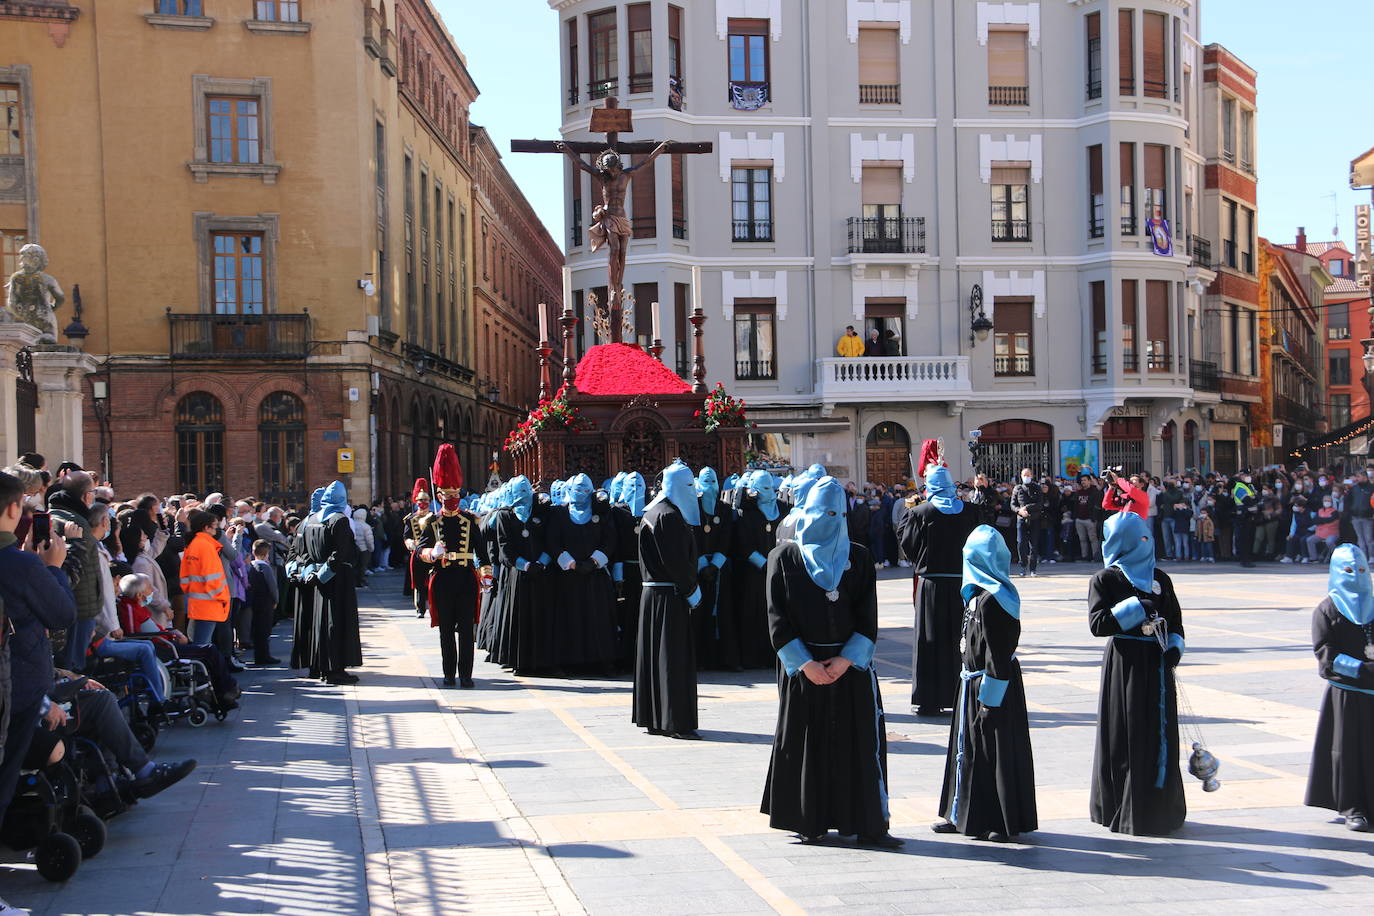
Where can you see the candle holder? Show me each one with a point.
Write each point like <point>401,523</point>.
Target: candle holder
<point>698,318</point>
<point>656,349</point>
<point>545,350</point>
<point>568,321</point>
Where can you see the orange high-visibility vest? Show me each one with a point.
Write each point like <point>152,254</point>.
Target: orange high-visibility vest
<point>202,580</point>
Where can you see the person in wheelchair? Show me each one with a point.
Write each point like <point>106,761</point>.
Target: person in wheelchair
<point>136,620</point>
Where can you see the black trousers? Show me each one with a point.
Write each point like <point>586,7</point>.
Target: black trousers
<point>264,618</point>
<point>454,597</point>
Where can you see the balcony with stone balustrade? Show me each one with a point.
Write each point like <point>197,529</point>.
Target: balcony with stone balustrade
<point>865,379</point>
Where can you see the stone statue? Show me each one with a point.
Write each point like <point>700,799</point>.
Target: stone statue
<point>33,294</point>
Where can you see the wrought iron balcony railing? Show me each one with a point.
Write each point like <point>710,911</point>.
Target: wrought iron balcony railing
<point>887,235</point>
<point>599,89</point>
<point>1200,251</point>
<point>1202,375</point>
<point>208,336</point>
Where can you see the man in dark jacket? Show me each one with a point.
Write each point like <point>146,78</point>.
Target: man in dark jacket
<point>36,600</point>
<point>1028,502</point>
<point>69,504</point>
<point>1361,512</point>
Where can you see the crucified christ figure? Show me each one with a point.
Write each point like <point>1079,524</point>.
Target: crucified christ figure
<point>609,224</point>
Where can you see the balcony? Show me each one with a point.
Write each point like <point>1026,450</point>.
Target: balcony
<point>1200,252</point>
<point>747,96</point>
<point>1011,366</point>
<point>202,336</point>
<point>641,82</point>
<point>887,235</point>
<point>1291,413</point>
<point>865,379</point>
<point>599,89</point>
<point>1202,376</point>
<point>754,370</point>
<point>880,94</point>
<point>1159,361</point>
<point>573,97</point>
<point>1011,230</point>
<point>679,228</point>
<point>1008,95</point>
<point>752,230</point>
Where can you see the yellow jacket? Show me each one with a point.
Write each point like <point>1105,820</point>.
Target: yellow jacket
<point>850,345</point>
<point>202,580</point>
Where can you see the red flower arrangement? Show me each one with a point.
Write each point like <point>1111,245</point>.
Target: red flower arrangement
<point>720,409</point>
<point>619,368</point>
<point>553,414</point>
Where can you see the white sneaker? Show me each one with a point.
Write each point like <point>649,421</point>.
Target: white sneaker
<point>1289,560</point>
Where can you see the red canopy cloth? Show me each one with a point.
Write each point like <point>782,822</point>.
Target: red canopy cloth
<point>618,368</point>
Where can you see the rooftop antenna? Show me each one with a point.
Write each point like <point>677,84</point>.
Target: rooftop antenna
<point>1335,216</point>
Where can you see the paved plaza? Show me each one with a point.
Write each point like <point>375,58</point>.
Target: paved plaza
<point>539,796</point>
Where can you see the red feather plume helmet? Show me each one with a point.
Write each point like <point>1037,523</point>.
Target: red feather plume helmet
<point>448,478</point>
<point>932,453</point>
<point>420,492</point>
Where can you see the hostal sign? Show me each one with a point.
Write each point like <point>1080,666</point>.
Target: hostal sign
<point>1362,254</point>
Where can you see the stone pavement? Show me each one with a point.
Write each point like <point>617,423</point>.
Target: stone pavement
<point>538,796</point>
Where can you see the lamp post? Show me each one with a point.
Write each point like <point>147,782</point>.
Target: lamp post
<point>1368,360</point>
<point>979,324</point>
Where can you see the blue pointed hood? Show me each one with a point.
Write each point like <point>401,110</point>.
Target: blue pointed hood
<point>680,489</point>
<point>987,565</point>
<point>556,492</point>
<point>632,493</point>
<point>578,494</point>
<point>940,491</point>
<point>520,497</point>
<point>1349,585</point>
<point>613,491</point>
<point>801,487</point>
<point>1128,545</point>
<point>334,502</point>
<point>763,487</point>
<point>708,489</point>
<point>316,499</point>
<point>730,483</point>
<point>823,533</point>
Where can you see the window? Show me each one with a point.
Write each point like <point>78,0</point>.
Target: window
<point>887,317</point>
<point>1157,339</point>
<point>573,78</point>
<point>641,48</point>
<point>1249,344</point>
<point>1011,202</point>
<point>1247,140</point>
<point>1338,367</point>
<point>441,306</point>
<point>677,86</point>
<point>234,133</point>
<point>679,193</point>
<point>179,7</point>
<point>11,240</point>
<point>1097,220</point>
<point>1097,291</point>
<point>748,50</point>
<point>681,336</point>
<point>11,121</point>
<point>754,340</point>
<point>1229,230</point>
<point>1336,266</point>
<point>1156,182</point>
<point>238,273</point>
<point>1128,213</point>
<point>882,209</point>
<point>1340,410</point>
<point>879,74</point>
<point>1338,321</point>
<point>383,267</point>
<point>281,447</point>
<point>646,294</point>
<point>603,60</point>
<point>200,443</point>
<point>1247,240</point>
<point>1125,50</point>
<point>643,202</point>
<point>1093,24</point>
<point>1155,27</point>
<point>1228,130</point>
<point>426,338</point>
<point>751,201</point>
<point>1011,335</point>
<point>1130,361</point>
<point>279,10</point>
<point>463,352</point>
<point>408,177</point>
<point>575,182</point>
<point>1008,83</point>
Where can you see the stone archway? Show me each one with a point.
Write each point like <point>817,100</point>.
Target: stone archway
<point>887,454</point>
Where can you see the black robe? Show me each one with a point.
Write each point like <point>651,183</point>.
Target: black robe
<point>1342,774</point>
<point>489,624</point>
<point>524,615</point>
<point>625,563</point>
<point>665,691</point>
<point>752,533</point>
<point>583,605</point>
<point>934,543</point>
<point>718,644</point>
<point>336,638</point>
<point>996,777</point>
<point>1126,796</point>
<point>302,599</point>
<point>829,765</point>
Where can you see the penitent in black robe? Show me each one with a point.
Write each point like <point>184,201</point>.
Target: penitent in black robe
<point>302,599</point>
<point>625,570</point>
<point>491,603</point>
<point>665,691</point>
<point>582,605</point>
<point>992,788</point>
<point>524,615</point>
<point>1137,786</point>
<point>753,533</point>
<point>717,630</point>
<point>829,765</point>
<point>336,639</point>
<point>934,543</point>
<point>1342,774</point>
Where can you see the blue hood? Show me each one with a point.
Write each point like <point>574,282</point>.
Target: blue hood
<point>987,565</point>
<point>940,491</point>
<point>334,501</point>
<point>763,487</point>
<point>801,487</point>
<point>680,489</point>
<point>1349,585</point>
<point>557,491</point>
<point>730,483</point>
<point>613,491</point>
<point>823,533</point>
<point>578,493</point>
<point>632,493</point>
<point>1128,545</point>
<point>708,488</point>
<point>520,497</point>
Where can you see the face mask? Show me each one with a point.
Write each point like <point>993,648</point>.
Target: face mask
<point>1187,486</point>
<point>1326,503</point>
<point>1026,478</point>
<point>1321,481</point>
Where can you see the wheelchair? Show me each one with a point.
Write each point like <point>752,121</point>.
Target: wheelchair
<point>50,815</point>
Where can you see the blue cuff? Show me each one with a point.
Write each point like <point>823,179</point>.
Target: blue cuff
<point>718,560</point>
<point>618,572</point>
<point>859,650</point>
<point>566,561</point>
<point>44,707</point>
<point>758,559</point>
<point>1176,642</point>
<point>522,564</point>
<point>701,562</point>
<point>794,655</point>
<point>1129,613</point>
<point>694,598</point>
<point>1346,666</point>
<point>325,573</point>
<point>601,559</point>
<point>992,691</point>
<point>545,558</point>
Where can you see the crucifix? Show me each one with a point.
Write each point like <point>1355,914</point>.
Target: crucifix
<point>610,226</point>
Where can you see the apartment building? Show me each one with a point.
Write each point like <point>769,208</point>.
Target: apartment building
<point>1005,195</point>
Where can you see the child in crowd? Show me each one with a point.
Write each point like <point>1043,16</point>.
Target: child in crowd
<point>1206,536</point>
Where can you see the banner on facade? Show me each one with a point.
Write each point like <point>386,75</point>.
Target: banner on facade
<point>1160,239</point>
<point>1078,456</point>
<point>1362,253</point>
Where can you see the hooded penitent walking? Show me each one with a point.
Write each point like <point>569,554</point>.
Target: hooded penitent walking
<point>1137,786</point>
<point>989,787</point>
<point>717,635</point>
<point>449,543</point>
<point>582,541</point>
<point>755,534</point>
<point>665,691</point>
<point>627,508</point>
<point>333,551</point>
<point>1342,774</point>
<point>525,596</point>
<point>829,765</point>
<point>300,571</point>
<point>932,537</point>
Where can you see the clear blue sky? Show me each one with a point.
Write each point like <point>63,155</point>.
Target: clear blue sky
<point>1315,82</point>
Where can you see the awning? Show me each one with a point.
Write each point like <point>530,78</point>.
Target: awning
<point>801,424</point>
<point>1340,436</point>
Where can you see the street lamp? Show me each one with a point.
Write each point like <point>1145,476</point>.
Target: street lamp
<point>1368,359</point>
<point>979,324</point>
